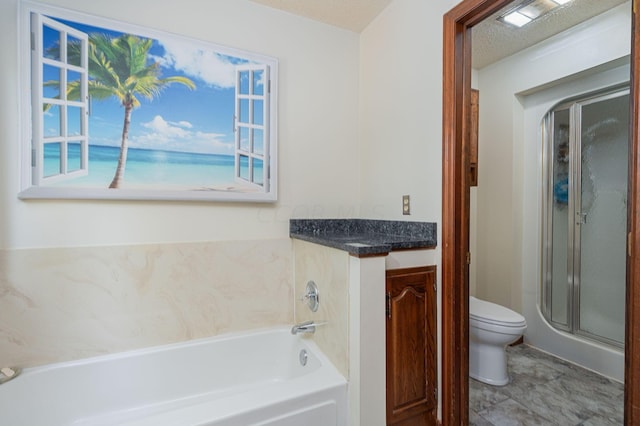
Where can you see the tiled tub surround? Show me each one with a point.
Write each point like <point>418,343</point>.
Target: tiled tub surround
<point>329,269</point>
<point>363,237</point>
<point>61,304</point>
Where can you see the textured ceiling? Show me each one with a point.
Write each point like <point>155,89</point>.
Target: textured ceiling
<point>494,40</point>
<point>352,15</point>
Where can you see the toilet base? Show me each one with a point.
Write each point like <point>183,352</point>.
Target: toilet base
<point>488,364</point>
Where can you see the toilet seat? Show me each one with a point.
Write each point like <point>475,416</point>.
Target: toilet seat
<point>489,313</point>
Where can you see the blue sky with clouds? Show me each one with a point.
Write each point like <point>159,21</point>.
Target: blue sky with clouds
<point>180,119</point>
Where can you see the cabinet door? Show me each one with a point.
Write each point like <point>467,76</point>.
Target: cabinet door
<point>473,138</point>
<point>411,346</point>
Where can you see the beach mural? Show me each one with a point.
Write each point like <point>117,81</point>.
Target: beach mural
<point>122,111</point>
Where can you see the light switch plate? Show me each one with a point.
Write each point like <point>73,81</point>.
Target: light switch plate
<point>406,205</point>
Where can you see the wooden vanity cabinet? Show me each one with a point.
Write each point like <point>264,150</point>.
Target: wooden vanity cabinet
<point>411,346</point>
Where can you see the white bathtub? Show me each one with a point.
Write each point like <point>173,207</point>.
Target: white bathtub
<point>242,379</point>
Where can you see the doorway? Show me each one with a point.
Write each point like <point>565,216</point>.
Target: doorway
<point>455,222</point>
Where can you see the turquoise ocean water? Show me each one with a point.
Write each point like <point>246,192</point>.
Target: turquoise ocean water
<point>144,167</point>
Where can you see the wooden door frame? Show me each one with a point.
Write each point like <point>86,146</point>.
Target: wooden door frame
<point>455,215</point>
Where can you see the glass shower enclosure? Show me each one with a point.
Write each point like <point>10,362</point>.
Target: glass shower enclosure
<point>584,240</point>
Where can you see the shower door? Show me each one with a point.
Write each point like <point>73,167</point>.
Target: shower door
<point>585,215</point>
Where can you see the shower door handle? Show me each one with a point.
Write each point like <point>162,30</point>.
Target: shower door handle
<point>581,218</point>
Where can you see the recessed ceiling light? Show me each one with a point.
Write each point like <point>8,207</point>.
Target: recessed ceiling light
<point>517,19</point>
<point>530,10</point>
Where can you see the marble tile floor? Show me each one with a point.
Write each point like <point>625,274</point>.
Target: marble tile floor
<point>545,390</point>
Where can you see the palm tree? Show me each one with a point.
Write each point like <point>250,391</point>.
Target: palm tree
<point>118,67</point>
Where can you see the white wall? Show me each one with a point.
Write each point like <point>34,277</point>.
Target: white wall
<point>502,267</point>
<point>400,95</point>
<point>401,110</point>
<point>318,132</point>
<point>80,278</point>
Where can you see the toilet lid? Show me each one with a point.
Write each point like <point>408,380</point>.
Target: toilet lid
<point>481,310</point>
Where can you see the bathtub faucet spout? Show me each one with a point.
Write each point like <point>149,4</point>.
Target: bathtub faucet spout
<point>304,327</point>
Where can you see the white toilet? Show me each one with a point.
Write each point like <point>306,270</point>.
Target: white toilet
<point>491,328</point>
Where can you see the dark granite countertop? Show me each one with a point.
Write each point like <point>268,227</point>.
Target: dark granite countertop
<point>365,237</point>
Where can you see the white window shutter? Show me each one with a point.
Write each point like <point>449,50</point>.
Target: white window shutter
<point>67,141</point>
<point>251,125</point>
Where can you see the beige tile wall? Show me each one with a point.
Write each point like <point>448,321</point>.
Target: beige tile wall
<point>329,269</point>
<point>70,303</point>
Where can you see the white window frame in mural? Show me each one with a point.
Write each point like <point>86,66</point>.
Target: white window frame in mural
<point>218,145</point>
<point>251,123</point>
